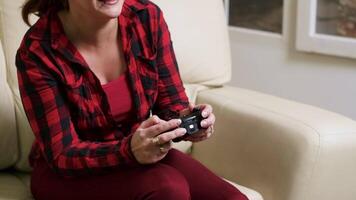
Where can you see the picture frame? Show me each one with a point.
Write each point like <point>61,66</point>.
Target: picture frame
<point>255,16</point>
<point>310,40</point>
<point>227,7</point>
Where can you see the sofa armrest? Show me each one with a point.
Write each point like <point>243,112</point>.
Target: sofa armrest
<point>283,149</point>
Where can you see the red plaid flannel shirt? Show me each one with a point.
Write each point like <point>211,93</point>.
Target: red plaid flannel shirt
<point>66,106</point>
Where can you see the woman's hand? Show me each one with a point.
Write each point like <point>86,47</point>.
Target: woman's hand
<point>153,139</point>
<point>207,124</point>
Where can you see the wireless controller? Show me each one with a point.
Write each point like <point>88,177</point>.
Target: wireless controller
<point>191,123</point>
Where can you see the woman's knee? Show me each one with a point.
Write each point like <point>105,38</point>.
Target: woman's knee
<point>168,183</point>
<point>174,190</point>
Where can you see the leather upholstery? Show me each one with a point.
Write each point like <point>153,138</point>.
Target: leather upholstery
<point>283,149</point>
<point>13,188</point>
<point>203,52</point>
<point>8,133</point>
<point>12,30</point>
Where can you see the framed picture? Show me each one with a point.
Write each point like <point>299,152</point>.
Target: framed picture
<point>260,15</point>
<point>327,27</point>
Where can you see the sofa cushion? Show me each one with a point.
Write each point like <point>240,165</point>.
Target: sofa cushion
<point>8,133</point>
<point>12,30</point>
<point>200,39</point>
<point>284,149</point>
<point>13,188</point>
<point>250,193</point>
<point>192,90</point>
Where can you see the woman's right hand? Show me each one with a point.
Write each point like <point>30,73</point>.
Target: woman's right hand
<point>153,139</point>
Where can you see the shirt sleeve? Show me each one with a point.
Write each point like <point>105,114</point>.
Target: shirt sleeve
<point>171,93</point>
<point>50,120</point>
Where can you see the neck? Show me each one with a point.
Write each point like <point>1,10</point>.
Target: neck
<point>89,31</point>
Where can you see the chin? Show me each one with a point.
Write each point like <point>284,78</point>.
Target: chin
<point>110,8</point>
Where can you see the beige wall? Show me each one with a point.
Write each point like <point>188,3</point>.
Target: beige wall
<point>269,63</point>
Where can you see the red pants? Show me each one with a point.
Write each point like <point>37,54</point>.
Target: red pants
<point>176,177</point>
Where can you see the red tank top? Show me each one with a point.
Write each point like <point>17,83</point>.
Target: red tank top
<point>119,97</point>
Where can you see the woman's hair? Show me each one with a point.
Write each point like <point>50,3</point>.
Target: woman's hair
<point>39,7</point>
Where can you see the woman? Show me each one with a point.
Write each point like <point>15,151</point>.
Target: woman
<point>91,73</point>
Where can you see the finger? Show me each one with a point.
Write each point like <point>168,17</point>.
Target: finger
<point>206,135</point>
<point>168,136</point>
<point>150,122</point>
<point>164,126</point>
<point>209,135</point>
<point>164,148</point>
<point>206,123</point>
<point>167,145</point>
<point>206,110</point>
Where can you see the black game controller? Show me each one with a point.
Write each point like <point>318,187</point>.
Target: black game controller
<point>191,123</point>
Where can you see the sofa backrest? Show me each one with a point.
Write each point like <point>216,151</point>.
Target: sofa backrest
<point>199,35</point>
<point>8,133</point>
<point>200,39</point>
<point>12,30</point>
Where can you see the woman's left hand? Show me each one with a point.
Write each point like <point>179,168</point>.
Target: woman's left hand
<point>207,123</point>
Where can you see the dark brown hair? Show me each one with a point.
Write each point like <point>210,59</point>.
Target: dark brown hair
<point>39,7</point>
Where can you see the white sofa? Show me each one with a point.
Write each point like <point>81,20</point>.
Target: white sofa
<point>282,149</point>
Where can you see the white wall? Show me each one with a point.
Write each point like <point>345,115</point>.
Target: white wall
<point>269,63</point>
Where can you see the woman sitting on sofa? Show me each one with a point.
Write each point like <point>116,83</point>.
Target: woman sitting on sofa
<point>91,74</point>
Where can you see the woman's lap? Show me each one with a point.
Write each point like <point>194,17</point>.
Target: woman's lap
<point>203,183</point>
<point>177,176</point>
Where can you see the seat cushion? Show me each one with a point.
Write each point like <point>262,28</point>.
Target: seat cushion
<point>251,194</point>
<point>13,188</point>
